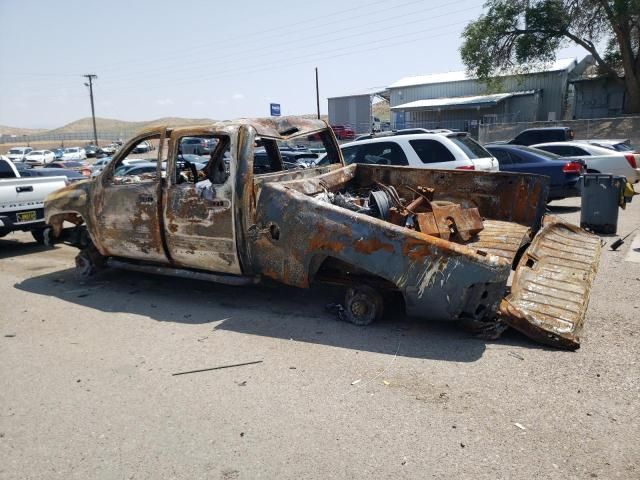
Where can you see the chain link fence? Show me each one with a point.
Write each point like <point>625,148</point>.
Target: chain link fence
<point>627,127</point>
<point>65,138</point>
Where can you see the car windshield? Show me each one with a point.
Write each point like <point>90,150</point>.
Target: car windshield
<point>15,150</point>
<point>71,150</point>
<point>469,146</point>
<point>541,153</point>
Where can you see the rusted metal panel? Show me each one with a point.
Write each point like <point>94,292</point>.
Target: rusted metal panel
<point>199,218</point>
<point>501,196</point>
<point>501,238</point>
<point>438,278</point>
<point>550,291</point>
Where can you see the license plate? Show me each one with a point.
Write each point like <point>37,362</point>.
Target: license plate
<point>27,216</point>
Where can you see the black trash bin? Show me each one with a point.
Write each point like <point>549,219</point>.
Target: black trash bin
<point>600,198</point>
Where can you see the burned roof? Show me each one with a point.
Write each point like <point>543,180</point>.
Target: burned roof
<point>279,128</point>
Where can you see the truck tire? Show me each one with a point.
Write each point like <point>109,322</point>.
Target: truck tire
<point>88,262</point>
<point>38,235</point>
<point>362,305</point>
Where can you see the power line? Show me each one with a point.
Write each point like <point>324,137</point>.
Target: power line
<point>125,76</point>
<point>271,66</point>
<point>365,11</point>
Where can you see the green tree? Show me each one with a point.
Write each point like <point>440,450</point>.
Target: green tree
<point>519,34</point>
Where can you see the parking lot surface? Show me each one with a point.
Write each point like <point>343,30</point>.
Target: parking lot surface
<point>87,387</point>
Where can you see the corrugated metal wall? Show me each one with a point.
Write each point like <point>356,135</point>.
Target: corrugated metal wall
<point>598,99</point>
<point>354,111</point>
<point>552,85</point>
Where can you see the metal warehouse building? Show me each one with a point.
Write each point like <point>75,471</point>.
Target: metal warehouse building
<point>355,110</point>
<point>454,100</point>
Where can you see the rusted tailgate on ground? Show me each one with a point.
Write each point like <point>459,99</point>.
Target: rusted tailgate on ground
<point>551,286</point>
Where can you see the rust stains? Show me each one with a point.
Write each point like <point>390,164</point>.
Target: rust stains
<point>368,246</point>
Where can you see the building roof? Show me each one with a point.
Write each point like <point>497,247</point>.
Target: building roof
<point>475,101</point>
<point>459,76</point>
<point>374,91</point>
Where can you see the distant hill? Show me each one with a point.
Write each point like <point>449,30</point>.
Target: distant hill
<point>4,130</point>
<point>112,126</point>
<point>109,125</point>
<point>382,111</point>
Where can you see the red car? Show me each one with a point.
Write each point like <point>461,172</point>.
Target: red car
<point>343,132</point>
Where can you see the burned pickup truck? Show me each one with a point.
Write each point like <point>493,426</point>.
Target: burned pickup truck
<point>456,245</point>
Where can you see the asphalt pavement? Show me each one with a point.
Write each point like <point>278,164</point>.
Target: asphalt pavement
<point>87,384</point>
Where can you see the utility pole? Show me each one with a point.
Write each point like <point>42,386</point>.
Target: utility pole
<point>317,94</point>
<point>91,77</point>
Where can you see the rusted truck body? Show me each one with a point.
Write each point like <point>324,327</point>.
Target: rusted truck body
<point>457,245</point>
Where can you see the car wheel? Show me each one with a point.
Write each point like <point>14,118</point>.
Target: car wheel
<point>38,235</point>
<point>362,305</point>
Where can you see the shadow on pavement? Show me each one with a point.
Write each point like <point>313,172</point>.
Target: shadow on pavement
<point>15,248</point>
<point>274,311</point>
<point>562,208</point>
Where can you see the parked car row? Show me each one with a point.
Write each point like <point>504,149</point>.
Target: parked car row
<point>613,156</point>
<point>563,161</point>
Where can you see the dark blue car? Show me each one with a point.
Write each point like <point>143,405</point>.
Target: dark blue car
<point>564,174</point>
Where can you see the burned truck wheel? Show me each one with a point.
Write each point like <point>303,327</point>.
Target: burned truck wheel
<point>88,262</point>
<point>362,305</point>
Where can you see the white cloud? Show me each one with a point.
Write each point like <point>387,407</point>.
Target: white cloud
<point>237,96</point>
<point>164,101</point>
<point>198,103</point>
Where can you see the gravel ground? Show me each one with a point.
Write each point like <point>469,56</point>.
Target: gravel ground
<point>86,385</point>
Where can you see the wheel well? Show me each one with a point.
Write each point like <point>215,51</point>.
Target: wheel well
<point>56,221</point>
<point>335,271</point>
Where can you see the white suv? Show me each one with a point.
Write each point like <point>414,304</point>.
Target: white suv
<point>18,154</point>
<point>447,150</point>
<point>74,153</point>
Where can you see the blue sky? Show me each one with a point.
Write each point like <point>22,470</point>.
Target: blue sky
<point>215,59</point>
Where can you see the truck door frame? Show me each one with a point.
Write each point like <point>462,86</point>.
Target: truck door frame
<point>127,221</point>
<point>200,232</point>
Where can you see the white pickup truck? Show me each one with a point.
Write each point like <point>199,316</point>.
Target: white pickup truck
<point>22,200</point>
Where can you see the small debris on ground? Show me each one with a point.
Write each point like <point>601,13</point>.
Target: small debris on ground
<point>516,355</point>
<point>337,310</point>
<point>520,426</point>
<point>355,382</point>
<point>10,335</point>
<point>216,368</point>
<point>386,382</point>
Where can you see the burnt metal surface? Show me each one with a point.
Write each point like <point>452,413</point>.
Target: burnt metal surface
<point>234,280</point>
<point>501,238</point>
<point>199,227</point>
<point>439,279</point>
<point>446,240</point>
<point>550,290</point>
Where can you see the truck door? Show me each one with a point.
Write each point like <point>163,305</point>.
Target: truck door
<point>127,196</point>
<point>198,206</point>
